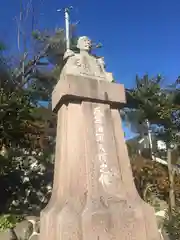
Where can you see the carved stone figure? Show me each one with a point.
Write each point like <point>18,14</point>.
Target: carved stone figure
<point>84,63</point>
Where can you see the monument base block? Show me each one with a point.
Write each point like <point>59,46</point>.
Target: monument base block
<point>94,196</point>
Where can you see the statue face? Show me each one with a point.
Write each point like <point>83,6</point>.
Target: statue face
<point>84,43</point>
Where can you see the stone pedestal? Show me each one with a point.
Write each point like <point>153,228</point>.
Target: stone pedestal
<point>94,196</point>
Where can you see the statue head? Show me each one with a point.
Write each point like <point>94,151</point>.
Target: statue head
<point>84,44</point>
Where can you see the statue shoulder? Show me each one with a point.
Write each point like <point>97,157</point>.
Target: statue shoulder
<point>69,53</point>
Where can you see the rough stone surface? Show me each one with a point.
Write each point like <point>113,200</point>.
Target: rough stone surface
<point>34,237</point>
<point>94,196</point>
<point>22,228</point>
<point>74,88</point>
<point>4,235</point>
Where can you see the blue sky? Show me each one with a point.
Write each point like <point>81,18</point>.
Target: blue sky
<point>138,36</point>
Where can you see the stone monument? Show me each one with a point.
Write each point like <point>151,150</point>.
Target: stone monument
<point>94,196</point>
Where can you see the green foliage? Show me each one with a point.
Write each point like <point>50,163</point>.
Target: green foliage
<point>132,147</point>
<point>150,100</point>
<point>172,224</point>
<point>147,97</point>
<point>24,174</point>
<point>25,182</point>
<point>16,118</point>
<point>9,221</point>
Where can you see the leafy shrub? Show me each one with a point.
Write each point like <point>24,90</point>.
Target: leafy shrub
<point>172,224</point>
<point>9,221</point>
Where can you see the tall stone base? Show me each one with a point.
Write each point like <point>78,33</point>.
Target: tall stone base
<point>94,196</point>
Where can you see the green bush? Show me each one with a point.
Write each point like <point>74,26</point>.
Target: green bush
<point>9,221</point>
<point>172,224</point>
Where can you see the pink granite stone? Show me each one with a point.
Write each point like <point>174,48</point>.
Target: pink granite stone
<point>94,196</point>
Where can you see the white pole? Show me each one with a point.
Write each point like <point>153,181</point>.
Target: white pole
<point>67,24</point>
<point>67,28</point>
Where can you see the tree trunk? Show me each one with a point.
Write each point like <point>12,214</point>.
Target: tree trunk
<point>171,182</point>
